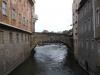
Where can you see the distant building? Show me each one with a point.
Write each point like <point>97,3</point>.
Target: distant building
<point>45,31</point>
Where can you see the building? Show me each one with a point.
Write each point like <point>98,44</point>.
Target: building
<point>86,37</point>
<point>17,22</point>
<point>75,26</point>
<point>96,16</point>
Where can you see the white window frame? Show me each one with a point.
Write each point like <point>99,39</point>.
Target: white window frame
<point>92,44</point>
<point>4,8</point>
<point>13,14</point>
<point>97,16</point>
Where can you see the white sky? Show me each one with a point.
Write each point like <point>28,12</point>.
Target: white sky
<point>53,15</point>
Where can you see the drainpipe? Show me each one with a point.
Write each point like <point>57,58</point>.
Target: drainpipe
<point>93,16</point>
<point>94,19</point>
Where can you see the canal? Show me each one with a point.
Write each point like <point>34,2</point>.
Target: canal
<point>49,60</point>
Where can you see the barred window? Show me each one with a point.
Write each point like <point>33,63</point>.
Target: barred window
<point>4,8</point>
<point>20,17</point>
<point>13,14</point>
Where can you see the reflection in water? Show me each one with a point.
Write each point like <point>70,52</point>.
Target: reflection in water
<point>49,60</point>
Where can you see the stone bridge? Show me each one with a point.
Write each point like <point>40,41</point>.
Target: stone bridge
<point>38,38</point>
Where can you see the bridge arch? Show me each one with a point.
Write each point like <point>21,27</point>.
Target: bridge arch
<point>38,38</point>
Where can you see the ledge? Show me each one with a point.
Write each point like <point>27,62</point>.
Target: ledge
<point>14,27</point>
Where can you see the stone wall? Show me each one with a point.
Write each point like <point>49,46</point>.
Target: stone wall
<point>13,49</point>
<point>37,38</point>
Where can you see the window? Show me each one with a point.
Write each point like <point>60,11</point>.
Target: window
<point>1,37</point>
<point>79,28</point>
<point>27,23</point>
<point>87,44</point>
<point>22,37</point>
<point>79,16</point>
<point>79,43</point>
<point>89,5</point>
<point>13,14</point>
<point>20,17</point>
<point>27,5</point>
<point>4,8</point>
<point>84,9</point>
<point>76,41</point>
<point>89,24</point>
<point>17,36</point>
<point>84,26</point>
<point>11,38</point>
<point>76,18</point>
<point>24,20</point>
<point>92,44</point>
<point>30,25</point>
<point>99,47</point>
<point>28,37</point>
<point>82,13</point>
<point>97,17</point>
<point>25,38</point>
<point>24,2</point>
<point>82,43</point>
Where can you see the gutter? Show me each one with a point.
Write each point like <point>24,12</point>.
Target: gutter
<point>14,27</point>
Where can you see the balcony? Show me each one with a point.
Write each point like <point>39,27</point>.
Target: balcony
<point>35,17</point>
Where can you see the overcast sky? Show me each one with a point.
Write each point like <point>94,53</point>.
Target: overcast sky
<point>53,15</point>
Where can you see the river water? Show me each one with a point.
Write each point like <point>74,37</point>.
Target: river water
<point>49,60</point>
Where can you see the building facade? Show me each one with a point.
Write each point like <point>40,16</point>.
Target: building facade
<point>17,22</point>
<point>75,26</point>
<point>96,17</point>
<point>86,37</point>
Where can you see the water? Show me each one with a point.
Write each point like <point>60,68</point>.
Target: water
<point>49,60</point>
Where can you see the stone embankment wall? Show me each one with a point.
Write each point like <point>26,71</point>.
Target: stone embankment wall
<point>14,49</point>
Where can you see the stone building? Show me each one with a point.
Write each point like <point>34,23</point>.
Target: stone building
<point>86,36</point>
<point>75,26</point>
<point>17,22</point>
